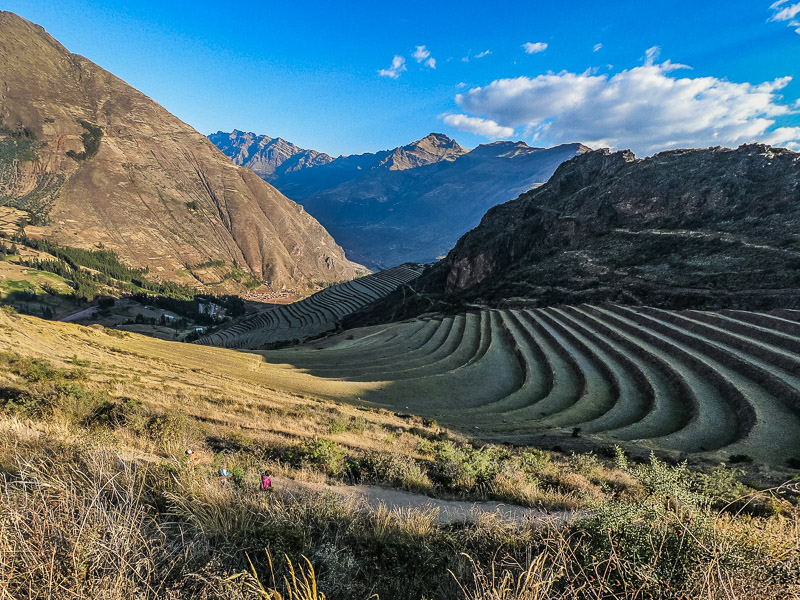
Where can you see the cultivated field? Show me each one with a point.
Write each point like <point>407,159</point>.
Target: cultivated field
<point>312,316</point>
<point>98,498</point>
<point>710,384</point>
<point>718,384</point>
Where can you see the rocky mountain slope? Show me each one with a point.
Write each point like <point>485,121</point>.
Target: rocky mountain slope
<point>412,203</point>
<point>267,157</point>
<point>97,163</point>
<point>684,228</point>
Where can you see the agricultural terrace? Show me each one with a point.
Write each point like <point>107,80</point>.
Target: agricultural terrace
<point>712,384</point>
<point>312,316</point>
<point>94,423</point>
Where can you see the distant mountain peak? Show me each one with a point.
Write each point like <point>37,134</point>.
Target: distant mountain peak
<point>268,157</point>
<point>433,148</point>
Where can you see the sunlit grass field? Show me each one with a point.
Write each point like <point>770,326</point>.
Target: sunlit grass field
<point>99,500</point>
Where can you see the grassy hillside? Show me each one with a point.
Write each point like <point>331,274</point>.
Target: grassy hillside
<point>99,500</point>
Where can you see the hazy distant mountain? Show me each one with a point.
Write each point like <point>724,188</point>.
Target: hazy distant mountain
<point>412,203</point>
<point>267,157</point>
<point>95,162</point>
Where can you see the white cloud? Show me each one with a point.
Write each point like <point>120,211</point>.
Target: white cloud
<point>786,12</point>
<point>482,54</point>
<point>534,47</point>
<point>398,66</point>
<point>421,53</point>
<point>461,85</point>
<point>646,108</point>
<point>597,47</point>
<point>484,127</point>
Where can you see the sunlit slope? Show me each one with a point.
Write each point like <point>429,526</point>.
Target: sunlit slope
<point>311,316</point>
<point>714,384</point>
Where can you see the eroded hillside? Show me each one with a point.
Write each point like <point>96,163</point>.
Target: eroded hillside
<point>98,163</point>
<point>685,228</point>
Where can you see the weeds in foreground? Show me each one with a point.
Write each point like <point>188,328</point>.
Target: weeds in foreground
<point>300,583</point>
<point>77,521</point>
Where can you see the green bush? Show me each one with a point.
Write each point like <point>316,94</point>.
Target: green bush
<point>168,429</point>
<point>464,467</point>
<point>325,455</point>
<point>337,426</point>
<point>394,470</point>
<point>655,541</point>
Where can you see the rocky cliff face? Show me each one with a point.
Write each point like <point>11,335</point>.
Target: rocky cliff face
<point>97,162</point>
<point>267,157</point>
<point>713,227</point>
<point>412,203</point>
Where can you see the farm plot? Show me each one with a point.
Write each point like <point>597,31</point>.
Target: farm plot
<point>311,316</point>
<point>710,383</point>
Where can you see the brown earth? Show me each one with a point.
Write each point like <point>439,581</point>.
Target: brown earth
<point>156,191</point>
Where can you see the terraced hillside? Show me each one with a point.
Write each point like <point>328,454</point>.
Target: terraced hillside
<point>311,316</point>
<point>714,383</point>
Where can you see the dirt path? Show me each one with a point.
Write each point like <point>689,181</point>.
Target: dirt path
<point>449,511</point>
<point>86,312</point>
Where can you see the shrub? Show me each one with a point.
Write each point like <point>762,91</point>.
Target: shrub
<point>656,540</point>
<point>464,467</point>
<point>357,425</point>
<point>324,455</point>
<point>168,429</point>
<point>394,470</point>
<point>337,426</point>
<point>118,413</point>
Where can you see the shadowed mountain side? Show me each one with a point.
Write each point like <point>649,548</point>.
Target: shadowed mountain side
<point>714,228</point>
<point>95,162</point>
<point>410,203</point>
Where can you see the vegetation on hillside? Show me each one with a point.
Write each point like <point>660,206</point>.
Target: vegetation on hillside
<point>94,274</point>
<point>98,499</point>
<point>91,142</point>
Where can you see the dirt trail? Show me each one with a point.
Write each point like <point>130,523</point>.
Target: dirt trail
<point>84,313</point>
<point>449,511</point>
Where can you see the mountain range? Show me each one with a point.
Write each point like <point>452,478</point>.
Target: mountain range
<point>96,163</point>
<point>409,203</point>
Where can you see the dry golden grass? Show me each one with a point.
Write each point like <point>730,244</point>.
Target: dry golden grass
<point>92,510</point>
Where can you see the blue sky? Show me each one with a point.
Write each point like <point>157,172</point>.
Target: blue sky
<point>647,75</point>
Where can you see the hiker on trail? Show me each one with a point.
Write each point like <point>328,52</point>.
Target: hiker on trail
<point>191,458</point>
<point>266,481</point>
<point>223,476</point>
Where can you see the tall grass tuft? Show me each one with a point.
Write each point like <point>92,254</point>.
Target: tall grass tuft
<point>299,584</point>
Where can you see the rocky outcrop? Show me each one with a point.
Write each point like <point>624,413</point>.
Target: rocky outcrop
<point>714,227</point>
<point>98,163</point>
